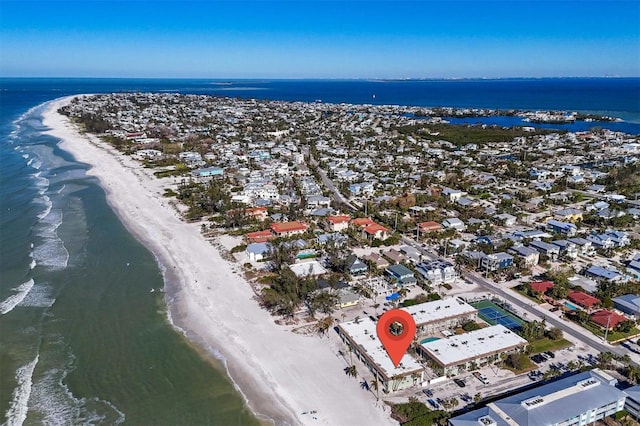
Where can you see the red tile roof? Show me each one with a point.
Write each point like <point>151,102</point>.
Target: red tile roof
<point>374,228</point>
<point>583,299</point>
<point>363,222</point>
<point>280,228</point>
<point>260,236</point>
<point>430,226</point>
<point>541,286</point>
<point>338,219</point>
<point>603,317</point>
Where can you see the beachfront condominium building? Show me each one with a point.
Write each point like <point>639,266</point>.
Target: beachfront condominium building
<point>478,348</point>
<point>577,400</point>
<point>362,338</point>
<point>431,318</point>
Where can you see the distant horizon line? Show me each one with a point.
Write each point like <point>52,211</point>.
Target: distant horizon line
<point>373,79</point>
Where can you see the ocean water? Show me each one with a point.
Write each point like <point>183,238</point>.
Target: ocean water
<point>83,339</point>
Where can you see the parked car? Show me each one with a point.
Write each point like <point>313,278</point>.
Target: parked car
<point>459,382</point>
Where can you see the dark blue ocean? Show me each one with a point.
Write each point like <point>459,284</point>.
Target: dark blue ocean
<point>82,337</point>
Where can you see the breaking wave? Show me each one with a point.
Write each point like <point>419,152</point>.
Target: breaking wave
<point>17,412</point>
<point>12,301</point>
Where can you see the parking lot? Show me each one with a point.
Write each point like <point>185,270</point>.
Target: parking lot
<point>491,380</point>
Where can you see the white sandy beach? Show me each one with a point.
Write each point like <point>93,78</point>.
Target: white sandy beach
<point>281,374</point>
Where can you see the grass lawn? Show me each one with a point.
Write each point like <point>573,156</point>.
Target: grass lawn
<point>612,336</point>
<point>518,289</point>
<point>529,366</point>
<point>546,344</point>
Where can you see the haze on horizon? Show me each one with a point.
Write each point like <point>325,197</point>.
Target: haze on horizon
<point>319,39</point>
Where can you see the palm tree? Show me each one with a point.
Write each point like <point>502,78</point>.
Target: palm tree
<point>351,371</point>
<point>633,373</point>
<point>604,359</point>
<point>375,386</point>
<point>375,307</point>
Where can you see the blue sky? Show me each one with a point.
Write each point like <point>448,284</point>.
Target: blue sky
<point>319,39</point>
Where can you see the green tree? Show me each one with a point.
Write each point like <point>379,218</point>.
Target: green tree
<point>555,333</point>
<point>351,371</point>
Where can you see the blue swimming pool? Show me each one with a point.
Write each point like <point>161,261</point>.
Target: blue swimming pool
<point>570,306</point>
<point>429,339</point>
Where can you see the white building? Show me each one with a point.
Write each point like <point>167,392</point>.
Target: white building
<point>480,347</point>
<point>437,271</point>
<point>577,400</point>
<point>362,337</point>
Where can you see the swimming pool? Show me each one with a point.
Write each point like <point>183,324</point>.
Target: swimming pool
<point>570,306</point>
<point>429,339</point>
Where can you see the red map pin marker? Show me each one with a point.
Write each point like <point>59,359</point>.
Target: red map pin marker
<point>396,329</point>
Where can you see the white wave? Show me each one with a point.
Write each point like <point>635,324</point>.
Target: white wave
<point>48,205</point>
<point>13,300</point>
<point>35,164</point>
<point>42,183</point>
<point>53,400</point>
<point>51,251</point>
<point>61,188</point>
<point>32,264</point>
<point>40,296</point>
<point>25,156</point>
<point>17,412</point>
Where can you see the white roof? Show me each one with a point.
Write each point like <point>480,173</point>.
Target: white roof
<point>365,335</point>
<point>307,268</point>
<point>475,344</point>
<point>439,310</point>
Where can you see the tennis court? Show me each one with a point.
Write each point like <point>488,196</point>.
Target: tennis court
<point>494,314</point>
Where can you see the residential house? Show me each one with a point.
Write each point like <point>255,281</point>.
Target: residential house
<point>375,231</point>
<point>355,266</point>
<point>426,227</point>
<point>316,201</point>
<point>549,250</point>
<point>453,194</point>
<point>208,172</point>
<point>564,228</point>
<point>401,275</point>
<point>629,304</point>
<point>529,255</point>
<point>258,251</point>
<point>541,286</point>
<point>258,213</point>
<point>599,273</point>
<point>607,319</point>
<point>585,247</point>
<point>260,236</point>
<point>567,248</point>
<point>377,260</point>
<point>583,299</point>
<point>412,253</point>
<point>337,223</point>
<point>496,261</point>
<point>395,256</point>
<point>568,215</point>
<point>287,229</point>
<point>454,223</point>
<point>437,271</point>
<point>507,219</point>
<point>337,238</point>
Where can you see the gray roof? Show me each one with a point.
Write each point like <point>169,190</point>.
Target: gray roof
<point>551,403</point>
<point>631,302</point>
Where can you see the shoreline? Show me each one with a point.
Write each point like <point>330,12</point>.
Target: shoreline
<point>280,374</point>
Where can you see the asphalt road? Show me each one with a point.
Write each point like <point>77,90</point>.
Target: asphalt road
<point>506,294</point>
